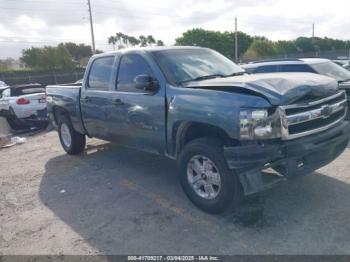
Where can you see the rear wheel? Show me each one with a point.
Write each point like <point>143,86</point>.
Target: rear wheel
<point>72,142</point>
<point>14,122</point>
<point>206,178</point>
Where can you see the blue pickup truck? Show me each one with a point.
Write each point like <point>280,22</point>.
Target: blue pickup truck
<point>232,134</point>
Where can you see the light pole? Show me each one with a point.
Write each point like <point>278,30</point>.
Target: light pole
<point>236,41</point>
<point>92,29</point>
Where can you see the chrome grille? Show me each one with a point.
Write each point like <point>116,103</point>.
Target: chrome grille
<point>316,116</point>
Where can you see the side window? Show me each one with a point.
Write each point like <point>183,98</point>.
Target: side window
<point>100,73</point>
<point>130,67</point>
<point>296,68</point>
<point>267,69</point>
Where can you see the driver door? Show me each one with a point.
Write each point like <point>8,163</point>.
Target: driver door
<point>138,116</point>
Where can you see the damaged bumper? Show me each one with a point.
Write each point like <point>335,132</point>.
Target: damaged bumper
<point>261,165</point>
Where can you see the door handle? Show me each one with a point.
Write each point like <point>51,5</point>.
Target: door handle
<point>118,102</point>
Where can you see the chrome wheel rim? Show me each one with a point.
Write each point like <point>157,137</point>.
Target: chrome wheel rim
<point>203,177</point>
<point>65,135</point>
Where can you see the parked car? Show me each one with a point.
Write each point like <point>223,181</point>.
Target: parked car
<point>23,103</point>
<point>311,65</point>
<point>3,85</point>
<point>232,134</point>
<point>343,63</point>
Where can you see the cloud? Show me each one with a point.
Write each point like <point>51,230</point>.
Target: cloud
<point>41,22</point>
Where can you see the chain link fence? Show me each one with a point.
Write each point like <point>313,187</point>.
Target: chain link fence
<point>42,77</point>
<point>331,54</point>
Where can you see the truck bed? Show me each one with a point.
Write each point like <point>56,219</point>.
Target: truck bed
<point>65,96</point>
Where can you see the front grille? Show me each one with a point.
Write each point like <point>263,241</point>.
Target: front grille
<point>316,116</point>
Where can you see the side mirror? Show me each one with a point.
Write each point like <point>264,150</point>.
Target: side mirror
<point>146,82</point>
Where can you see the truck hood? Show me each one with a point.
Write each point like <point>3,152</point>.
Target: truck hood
<point>277,88</point>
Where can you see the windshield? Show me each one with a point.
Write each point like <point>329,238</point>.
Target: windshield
<point>182,65</point>
<point>333,70</point>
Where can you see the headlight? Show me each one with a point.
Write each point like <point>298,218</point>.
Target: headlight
<point>258,124</point>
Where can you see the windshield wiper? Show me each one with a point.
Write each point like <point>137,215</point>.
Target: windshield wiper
<point>343,81</point>
<point>203,78</point>
<point>236,74</point>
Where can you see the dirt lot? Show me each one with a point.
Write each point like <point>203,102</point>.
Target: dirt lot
<point>112,200</point>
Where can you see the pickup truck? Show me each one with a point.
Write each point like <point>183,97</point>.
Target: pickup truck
<point>232,134</point>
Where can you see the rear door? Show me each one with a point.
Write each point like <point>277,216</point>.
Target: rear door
<point>95,96</point>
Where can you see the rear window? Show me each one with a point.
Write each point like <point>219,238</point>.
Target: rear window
<point>100,73</point>
<point>296,68</point>
<point>267,69</point>
<point>26,91</point>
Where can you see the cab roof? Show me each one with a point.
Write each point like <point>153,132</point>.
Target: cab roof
<point>149,49</point>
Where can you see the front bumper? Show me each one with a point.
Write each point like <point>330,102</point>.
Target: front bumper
<point>260,165</point>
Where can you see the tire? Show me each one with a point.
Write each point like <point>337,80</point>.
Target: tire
<point>226,193</point>
<point>14,122</point>
<point>72,142</point>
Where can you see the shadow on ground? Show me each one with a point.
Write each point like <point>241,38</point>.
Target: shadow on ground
<point>122,202</point>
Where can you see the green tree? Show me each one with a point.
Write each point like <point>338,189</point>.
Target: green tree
<point>124,40</point>
<point>112,40</point>
<point>64,57</point>
<point>48,58</point>
<point>221,42</point>
<point>133,41</point>
<point>150,40</point>
<point>78,51</point>
<point>143,40</point>
<point>260,49</point>
<point>160,43</point>
<point>286,47</point>
<point>32,57</point>
<point>304,44</point>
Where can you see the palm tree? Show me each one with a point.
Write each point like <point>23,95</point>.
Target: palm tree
<point>150,40</point>
<point>112,40</point>
<point>143,40</point>
<point>160,43</point>
<point>125,39</point>
<point>119,36</point>
<point>133,41</point>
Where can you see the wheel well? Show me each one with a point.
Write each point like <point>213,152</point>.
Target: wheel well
<point>191,131</point>
<point>58,112</point>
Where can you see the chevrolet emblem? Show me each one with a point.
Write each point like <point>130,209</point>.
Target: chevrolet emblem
<point>326,111</point>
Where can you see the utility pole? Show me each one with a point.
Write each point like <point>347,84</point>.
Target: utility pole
<point>313,32</point>
<point>236,41</point>
<point>92,29</point>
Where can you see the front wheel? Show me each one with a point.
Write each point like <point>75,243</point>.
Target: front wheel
<point>72,142</point>
<point>206,178</point>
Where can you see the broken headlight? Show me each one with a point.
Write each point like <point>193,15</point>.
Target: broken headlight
<point>259,124</point>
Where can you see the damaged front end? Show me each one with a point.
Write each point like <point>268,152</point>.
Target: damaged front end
<point>288,141</point>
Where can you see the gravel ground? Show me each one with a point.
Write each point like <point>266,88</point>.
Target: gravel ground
<point>112,200</point>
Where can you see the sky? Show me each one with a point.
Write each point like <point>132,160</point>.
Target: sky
<point>26,23</point>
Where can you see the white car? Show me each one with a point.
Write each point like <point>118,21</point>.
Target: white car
<point>23,102</point>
